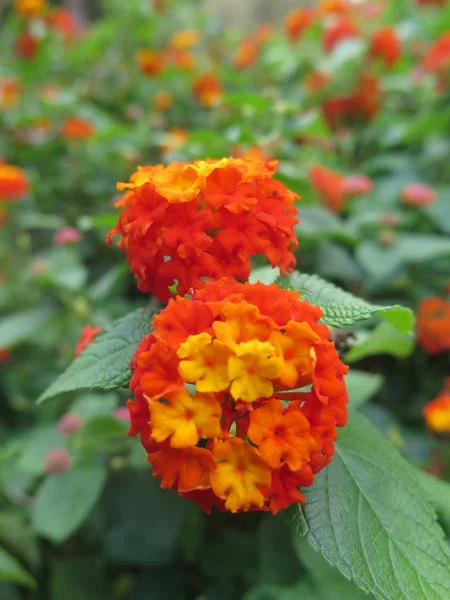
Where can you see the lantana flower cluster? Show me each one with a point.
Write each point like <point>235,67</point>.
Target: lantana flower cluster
<point>187,221</point>
<point>238,392</point>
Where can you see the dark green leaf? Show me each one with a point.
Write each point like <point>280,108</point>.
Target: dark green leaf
<point>63,502</point>
<point>13,572</point>
<point>342,309</point>
<point>366,514</point>
<point>105,364</point>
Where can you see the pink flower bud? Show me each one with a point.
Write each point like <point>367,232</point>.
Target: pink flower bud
<point>69,424</point>
<point>67,235</point>
<point>390,220</point>
<point>418,194</point>
<point>57,461</point>
<point>122,413</point>
<point>357,185</point>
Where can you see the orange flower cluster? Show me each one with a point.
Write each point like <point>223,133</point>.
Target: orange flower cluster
<point>334,188</point>
<point>297,22</point>
<point>386,46</point>
<point>437,412</point>
<point>207,89</point>
<point>14,183</point>
<point>150,62</point>
<point>30,8</point>
<point>87,337</point>
<point>76,128</point>
<point>343,29</point>
<point>360,105</point>
<point>437,59</point>
<point>184,39</point>
<point>219,400</point>
<point>433,325</point>
<point>188,221</point>
<point>250,47</point>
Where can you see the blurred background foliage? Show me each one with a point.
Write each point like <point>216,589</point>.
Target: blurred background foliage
<point>80,107</point>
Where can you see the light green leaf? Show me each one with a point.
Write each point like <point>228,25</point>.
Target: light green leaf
<point>106,284</point>
<point>301,591</point>
<point>63,502</point>
<point>366,514</point>
<point>21,326</point>
<point>105,364</point>
<point>342,309</point>
<point>361,386</point>
<point>384,339</point>
<point>101,433</point>
<point>265,274</point>
<point>89,405</point>
<point>438,492</point>
<point>12,571</point>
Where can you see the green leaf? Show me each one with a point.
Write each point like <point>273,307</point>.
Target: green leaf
<point>301,591</point>
<point>361,386</point>
<point>22,326</point>
<point>101,433</point>
<point>36,445</point>
<point>384,339</point>
<point>79,578</point>
<point>326,579</point>
<point>438,492</point>
<point>105,364</point>
<point>265,274</point>
<point>342,309</point>
<point>90,405</point>
<point>63,502</point>
<point>278,562</point>
<point>366,514</point>
<point>12,571</point>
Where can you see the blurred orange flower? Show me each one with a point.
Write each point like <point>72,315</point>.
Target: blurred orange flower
<point>76,128</point>
<point>437,412</point>
<point>207,89</point>
<point>27,46</point>
<point>336,33</point>
<point>340,7</point>
<point>385,45</point>
<point>9,92</point>
<point>208,218</point>
<point>418,194</point>
<point>357,185</point>
<point>230,441</point>
<point>433,325</point>
<point>30,8</point>
<point>5,354</point>
<point>437,58</point>
<point>163,100</point>
<point>297,22</point>
<point>184,39</point>
<point>87,337</point>
<point>14,183</point>
<point>65,22</point>
<point>150,62</point>
<point>330,185</point>
<point>362,104</point>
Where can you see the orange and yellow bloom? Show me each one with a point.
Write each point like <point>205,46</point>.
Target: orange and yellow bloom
<point>208,90</point>
<point>77,128</point>
<point>14,183</point>
<point>188,221</point>
<point>221,401</point>
<point>433,325</point>
<point>30,8</point>
<point>437,412</point>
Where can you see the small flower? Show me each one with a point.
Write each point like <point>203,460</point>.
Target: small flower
<point>244,434</point>
<point>208,90</point>
<point>87,337</point>
<point>433,325</point>
<point>65,23</point>
<point>30,8</point>
<point>386,46</point>
<point>330,185</point>
<point>5,354</point>
<point>343,29</point>
<point>188,221</point>
<point>339,7</point>
<point>66,236</point>
<point>69,424</point>
<point>437,412</point>
<point>437,58</point>
<point>27,46</point>
<point>57,461</point>
<point>184,39</point>
<point>150,62</point>
<point>418,194</point>
<point>297,22</point>
<point>360,105</point>
<point>9,92</point>
<point>390,219</point>
<point>14,183</point>
<point>122,414</point>
<point>76,128</point>
<point>163,100</point>
<point>357,185</point>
